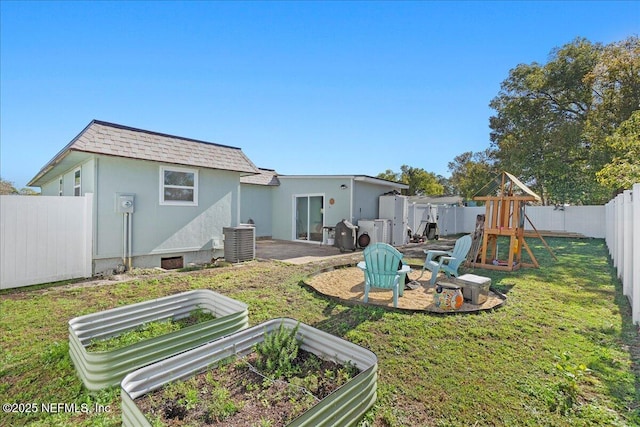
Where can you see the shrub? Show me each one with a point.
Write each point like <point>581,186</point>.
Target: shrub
<point>278,351</point>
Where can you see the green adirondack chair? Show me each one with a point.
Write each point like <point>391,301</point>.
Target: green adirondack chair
<point>447,262</point>
<point>383,268</point>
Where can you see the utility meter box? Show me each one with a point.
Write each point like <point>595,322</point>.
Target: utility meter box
<point>125,203</point>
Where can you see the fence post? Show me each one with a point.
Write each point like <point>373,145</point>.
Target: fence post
<point>607,221</point>
<point>88,234</point>
<point>627,248</point>
<point>635,253</point>
<point>613,230</point>
<point>619,260</point>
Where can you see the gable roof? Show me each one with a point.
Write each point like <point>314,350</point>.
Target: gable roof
<point>505,184</point>
<point>123,141</point>
<point>267,177</point>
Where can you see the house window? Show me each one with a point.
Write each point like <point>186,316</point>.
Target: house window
<point>178,186</point>
<point>60,187</point>
<point>77,181</point>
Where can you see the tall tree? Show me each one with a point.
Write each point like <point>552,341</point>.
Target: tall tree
<point>389,175</point>
<point>470,172</point>
<point>448,189</point>
<point>420,182</point>
<point>624,169</point>
<point>552,120</point>
<point>6,187</point>
<point>541,111</point>
<point>25,191</point>
<point>611,125</point>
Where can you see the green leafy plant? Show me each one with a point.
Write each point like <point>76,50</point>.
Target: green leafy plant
<point>568,388</point>
<point>276,354</point>
<point>263,423</point>
<point>220,406</point>
<point>150,330</point>
<point>183,397</point>
<point>199,315</point>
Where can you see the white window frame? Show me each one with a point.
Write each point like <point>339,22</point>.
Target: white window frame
<point>194,188</point>
<point>61,186</point>
<point>77,186</point>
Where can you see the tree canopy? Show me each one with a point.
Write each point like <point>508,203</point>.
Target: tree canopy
<point>554,122</point>
<point>8,188</point>
<point>471,171</point>
<point>569,128</point>
<point>420,182</point>
<point>624,168</point>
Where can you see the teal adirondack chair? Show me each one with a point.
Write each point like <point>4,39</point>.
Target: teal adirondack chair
<point>445,261</point>
<point>381,270</point>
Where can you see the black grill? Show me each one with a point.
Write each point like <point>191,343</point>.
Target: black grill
<point>346,236</point>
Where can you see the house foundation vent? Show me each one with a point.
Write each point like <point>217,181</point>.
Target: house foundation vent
<point>172,263</point>
<point>239,243</point>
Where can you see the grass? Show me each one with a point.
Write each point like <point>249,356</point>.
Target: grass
<point>150,330</point>
<point>562,352</point>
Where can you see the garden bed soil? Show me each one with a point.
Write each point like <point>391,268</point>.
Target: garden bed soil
<point>235,394</point>
<point>347,285</point>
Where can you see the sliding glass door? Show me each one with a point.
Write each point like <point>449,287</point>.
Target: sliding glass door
<point>309,215</point>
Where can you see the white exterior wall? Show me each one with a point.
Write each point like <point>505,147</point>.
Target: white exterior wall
<point>161,230</point>
<point>87,180</point>
<point>158,231</point>
<point>357,200</point>
<point>256,205</point>
<point>283,201</point>
<point>366,204</point>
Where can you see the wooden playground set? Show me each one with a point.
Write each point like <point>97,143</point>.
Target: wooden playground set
<point>505,200</point>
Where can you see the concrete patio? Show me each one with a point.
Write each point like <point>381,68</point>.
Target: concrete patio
<point>303,253</point>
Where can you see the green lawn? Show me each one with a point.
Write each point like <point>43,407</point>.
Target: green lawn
<point>561,352</point>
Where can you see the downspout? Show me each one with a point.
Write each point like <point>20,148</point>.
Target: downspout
<point>129,239</point>
<point>351,194</point>
<point>124,240</point>
<point>94,219</point>
<point>239,205</point>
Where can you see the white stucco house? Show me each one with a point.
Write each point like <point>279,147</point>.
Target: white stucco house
<point>298,207</point>
<point>184,191</point>
<point>160,197</point>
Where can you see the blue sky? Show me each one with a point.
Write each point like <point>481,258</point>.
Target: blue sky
<point>301,87</point>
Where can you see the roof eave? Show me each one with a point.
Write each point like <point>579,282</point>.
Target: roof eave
<point>57,158</point>
<point>380,181</point>
<point>360,178</point>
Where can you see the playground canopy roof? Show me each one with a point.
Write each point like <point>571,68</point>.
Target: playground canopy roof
<point>505,184</point>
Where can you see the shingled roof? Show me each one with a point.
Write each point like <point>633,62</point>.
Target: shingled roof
<point>122,141</point>
<point>267,177</point>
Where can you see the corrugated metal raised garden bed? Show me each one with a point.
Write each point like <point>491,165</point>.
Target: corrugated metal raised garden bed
<point>107,367</point>
<point>178,376</point>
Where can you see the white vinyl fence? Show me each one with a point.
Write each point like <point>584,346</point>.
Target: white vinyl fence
<point>586,220</point>
<point>623,241</point>
<point>44,239</point>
